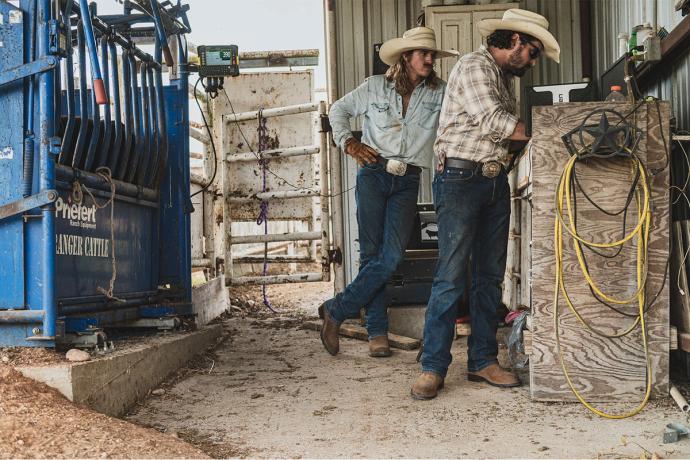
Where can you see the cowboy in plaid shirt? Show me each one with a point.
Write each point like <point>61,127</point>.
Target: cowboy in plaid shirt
<point>472,195</point>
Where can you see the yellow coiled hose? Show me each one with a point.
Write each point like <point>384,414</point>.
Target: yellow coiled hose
<point>641,232</point>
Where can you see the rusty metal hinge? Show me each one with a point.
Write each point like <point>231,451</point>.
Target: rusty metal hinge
<point>325,125</point>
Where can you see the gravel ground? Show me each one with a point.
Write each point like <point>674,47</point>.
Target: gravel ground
<point>270,390</point>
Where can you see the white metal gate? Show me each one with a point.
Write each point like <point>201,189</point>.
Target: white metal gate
<point>292,185</point>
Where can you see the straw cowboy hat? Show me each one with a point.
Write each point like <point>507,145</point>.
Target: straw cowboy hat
<point>518,20</point>
<point>419,38</point>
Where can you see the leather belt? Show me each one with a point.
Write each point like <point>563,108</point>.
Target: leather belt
<point>411,169</point>
<point>488,169</point>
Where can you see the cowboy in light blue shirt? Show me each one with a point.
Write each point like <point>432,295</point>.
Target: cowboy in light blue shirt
<point>395,135</point>
<point>401,111</point>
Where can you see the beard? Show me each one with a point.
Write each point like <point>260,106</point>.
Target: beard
<point>515,65</point>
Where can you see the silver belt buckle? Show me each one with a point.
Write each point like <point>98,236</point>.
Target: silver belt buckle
<point>491,169</point>
<point>395,167</point>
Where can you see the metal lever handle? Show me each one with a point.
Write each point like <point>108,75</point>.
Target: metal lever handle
<point>160,30</point>
<point>98,86</point>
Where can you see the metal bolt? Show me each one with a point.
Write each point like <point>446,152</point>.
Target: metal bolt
<point>52,195</point>
<point>36,331</point>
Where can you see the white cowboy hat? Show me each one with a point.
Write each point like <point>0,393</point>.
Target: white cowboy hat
<point>518,20</point>
<point>419,38</point>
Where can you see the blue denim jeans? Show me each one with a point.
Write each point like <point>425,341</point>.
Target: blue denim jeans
<point>473,218</point>
<point>386,206</point>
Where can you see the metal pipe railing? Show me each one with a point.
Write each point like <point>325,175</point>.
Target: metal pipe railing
<point>98,86</point>
<point>106,141</point>
<point>68,174</point>
<point>147,148</point>
<point>94,299</point>
<point>94,135</point>
<point>278,279</point>
<point>137,121</point>
<point>160,32</point>
<point>129,124</point>
<point>272,238</point>
<point>334,154</point>
<point>46,92</point>
<point>78,157</point>
<point>279,194</point>
<point>323,182</point>
<point>275,112</point>
<point>103,28</point>
<point>67,149</point>
<point>22,316</point>
<point>28,171</point>
<point>153,127</point>
<point>161,120</point>
<point>274,153</point>
<point>117,144</point>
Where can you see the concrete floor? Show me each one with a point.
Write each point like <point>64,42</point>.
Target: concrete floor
<point>271,390</point>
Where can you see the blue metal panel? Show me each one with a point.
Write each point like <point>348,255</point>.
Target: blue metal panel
<point>176,206</point>
<point>84,250</point>
<point>11,141</point>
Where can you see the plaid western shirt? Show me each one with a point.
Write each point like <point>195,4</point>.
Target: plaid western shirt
<point>478,112</point>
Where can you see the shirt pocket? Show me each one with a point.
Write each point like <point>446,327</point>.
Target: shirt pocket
<point>379,114</point>
<point>429,113</point>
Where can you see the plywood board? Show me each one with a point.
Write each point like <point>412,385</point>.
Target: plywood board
<point>602,369</point>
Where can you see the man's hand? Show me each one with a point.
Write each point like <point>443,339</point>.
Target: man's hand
<point>362,153</point>
<point>519,132</point>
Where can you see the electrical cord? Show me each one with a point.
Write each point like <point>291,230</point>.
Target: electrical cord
<point>567,191</point>
<point>210,136</point>
<point>682,194</point>
<point>641,231</point>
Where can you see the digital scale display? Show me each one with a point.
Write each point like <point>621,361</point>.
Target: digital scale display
<point>219,61</point>
<point>219,58</point>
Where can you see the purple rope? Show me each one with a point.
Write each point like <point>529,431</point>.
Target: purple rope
<point>263,214</point>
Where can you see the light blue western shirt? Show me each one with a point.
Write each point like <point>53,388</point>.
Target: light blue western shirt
<point>410,138</point>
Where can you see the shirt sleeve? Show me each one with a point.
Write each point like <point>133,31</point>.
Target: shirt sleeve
<point>483,101</point>
<point>352,105</point>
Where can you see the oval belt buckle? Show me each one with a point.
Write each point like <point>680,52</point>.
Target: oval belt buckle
<point>491,169</point>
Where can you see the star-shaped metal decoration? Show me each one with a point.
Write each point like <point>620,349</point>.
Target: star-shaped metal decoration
<point>606,137</point>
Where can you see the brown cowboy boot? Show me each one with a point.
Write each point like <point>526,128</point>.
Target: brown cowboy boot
<point>378,347</point>
<point>330,331</point>
<point>426,386</point>
<point>494,375</point>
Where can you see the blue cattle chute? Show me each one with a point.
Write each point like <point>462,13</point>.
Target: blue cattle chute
<point>106,234</point>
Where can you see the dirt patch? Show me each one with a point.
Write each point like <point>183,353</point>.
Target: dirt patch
<point>294,300</point>
<point>30,356</point>
<point>38,422</point>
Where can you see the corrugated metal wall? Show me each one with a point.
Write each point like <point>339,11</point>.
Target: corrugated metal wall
<point>362,23</point>
<point>564,24</point>
<point>359,25</point>
<point>611,17</point>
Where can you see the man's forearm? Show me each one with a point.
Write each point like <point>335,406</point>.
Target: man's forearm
<point>519,132</point>
<point>340,124</point>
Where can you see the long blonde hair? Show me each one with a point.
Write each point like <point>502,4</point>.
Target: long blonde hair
<point>397,73</point>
